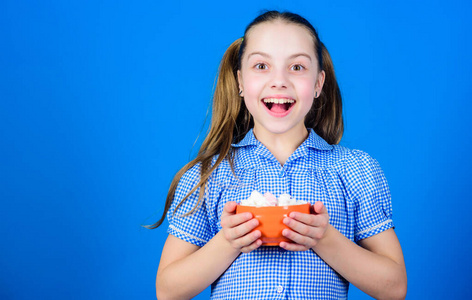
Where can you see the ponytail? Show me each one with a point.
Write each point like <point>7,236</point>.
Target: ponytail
<point>325,115</point>
<point>230,118</point>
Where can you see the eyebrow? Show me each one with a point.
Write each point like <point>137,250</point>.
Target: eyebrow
<point>290,57</point>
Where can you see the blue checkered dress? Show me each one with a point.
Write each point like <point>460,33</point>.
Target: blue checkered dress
<point>349,182</point>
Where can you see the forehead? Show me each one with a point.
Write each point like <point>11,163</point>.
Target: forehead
<point>278,37</point>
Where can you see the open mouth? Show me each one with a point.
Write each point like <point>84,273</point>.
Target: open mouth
<point>278,105</point>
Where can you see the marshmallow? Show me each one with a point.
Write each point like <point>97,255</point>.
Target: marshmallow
<point>268,199</point>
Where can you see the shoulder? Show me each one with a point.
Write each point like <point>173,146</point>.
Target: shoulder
<point>191,176</point>
<point>194,172</point>
<point>357,169</point>
<point>360,173</point>
<point>187,181</point>
<point>218,176</point>
<point>353,160</point>
<point>327,156</point>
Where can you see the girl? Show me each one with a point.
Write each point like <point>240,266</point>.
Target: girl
<point>275,126</point>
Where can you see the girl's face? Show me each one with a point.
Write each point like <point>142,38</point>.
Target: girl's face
<point>279,77</point>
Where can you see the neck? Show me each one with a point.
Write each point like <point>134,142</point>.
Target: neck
<point>281,145</point>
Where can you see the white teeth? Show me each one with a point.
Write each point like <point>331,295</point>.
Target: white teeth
<point>278,100</point>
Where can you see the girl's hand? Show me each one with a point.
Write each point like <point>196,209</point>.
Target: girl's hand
<point>307,229</point>
<point>237,229</point>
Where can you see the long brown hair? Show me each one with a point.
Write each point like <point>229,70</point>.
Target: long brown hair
<point>231,120</point>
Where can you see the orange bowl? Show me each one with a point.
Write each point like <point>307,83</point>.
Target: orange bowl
<point>270,220</point>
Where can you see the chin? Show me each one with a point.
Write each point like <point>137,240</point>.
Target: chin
<point>277,129</point>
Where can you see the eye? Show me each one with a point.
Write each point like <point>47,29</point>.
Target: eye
<point>297,67</point>
<point>260,66</point>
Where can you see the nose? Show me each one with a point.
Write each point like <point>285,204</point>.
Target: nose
<point>279,79</point>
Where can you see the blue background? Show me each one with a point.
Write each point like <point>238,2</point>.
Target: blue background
<point>101,103</point>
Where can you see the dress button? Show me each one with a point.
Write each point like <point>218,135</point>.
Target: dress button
<point>280,289</point>
<point>282,173</point>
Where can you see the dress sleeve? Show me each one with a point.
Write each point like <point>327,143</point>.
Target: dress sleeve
<point>191,227</point>
<point>368,189</point>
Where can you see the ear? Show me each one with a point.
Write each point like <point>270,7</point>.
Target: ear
<point>240,85</point>
<point>319,83</point>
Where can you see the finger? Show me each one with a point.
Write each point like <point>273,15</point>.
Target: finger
<point>300,227</point>
<point>229,210</point>
<point>308,219</point>
<point>292,246</point>
<point>309,231</point>
<point>230,221</point>
<point>230,207</point>
<point>249,242</point>
<point>319,208</point>
<point>298,238</point>
<point>243,229</point>
<point>252,247</point>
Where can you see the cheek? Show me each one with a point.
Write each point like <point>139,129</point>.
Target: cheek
<point>252,86</point>
<point>306,89</point>
<point>306,94</point>
<point>251,93</point>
